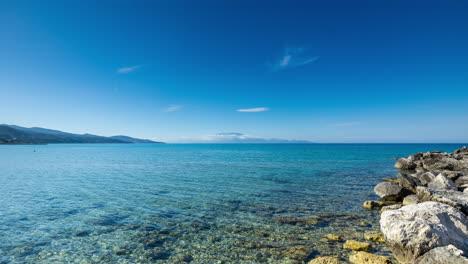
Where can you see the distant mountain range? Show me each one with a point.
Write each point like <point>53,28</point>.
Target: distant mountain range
<point>11,134</point>
<point>239,138</point>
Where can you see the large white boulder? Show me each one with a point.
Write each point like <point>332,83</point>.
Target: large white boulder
<point>443,255</point>
<point>414,230</point>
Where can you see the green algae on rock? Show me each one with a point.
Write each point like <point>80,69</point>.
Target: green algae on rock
<point>356,245</point>
<point>361,257</point>
<point>324,260</point>
<point>376,236</point>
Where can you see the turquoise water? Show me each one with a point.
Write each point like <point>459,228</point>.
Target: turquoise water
<point>189,203</point>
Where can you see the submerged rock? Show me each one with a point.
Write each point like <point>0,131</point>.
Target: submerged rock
<point>374,236</point>
<point>441,182</point>
<point>390,191</point>
<point>443,255</point>
<point>356,245</point>
<point>333,237</point>
<point>361,257</point>
<point>455,199</point>
<point>299,252</point>
<point>324,260</point>
<point>371,205</point>
<point>415,229</point>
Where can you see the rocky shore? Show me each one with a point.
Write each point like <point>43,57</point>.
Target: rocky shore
<point>424,209</point>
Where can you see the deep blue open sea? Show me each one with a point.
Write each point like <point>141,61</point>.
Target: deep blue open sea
<point>189,203</point>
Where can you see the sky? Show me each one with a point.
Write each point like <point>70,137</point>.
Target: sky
<point>179,71</point>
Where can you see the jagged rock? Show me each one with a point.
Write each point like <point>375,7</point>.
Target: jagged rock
<point>455,199</point>
<point>441,182</point>
<point>420,170</point>
<point>405,164</point>
<point>453,175</point>
<point>461,181</point>
<point>333,237</point>
<point>415,229</point>
<point>390,207</point>
<point>374,236</point>
<point>324,260</point>
<point>426,177</point>
<point>361,257</point>
<point>443,255</point>
<point>408,181</point>
<point>356,245</point>
<point>461,151</point>
<point>390,191</point>
<point>410,199</point>
<point>440,162</point>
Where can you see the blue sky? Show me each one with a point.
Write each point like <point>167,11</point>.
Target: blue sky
<point>344,71</point>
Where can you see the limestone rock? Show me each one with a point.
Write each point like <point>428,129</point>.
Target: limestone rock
<point>374,236</point>
<point>461,181</point>
<point>390,191</point>
<point>425,177</point>
<point>455,199</point>
<point>405,164</point>
<point>356,245</point>
<point>408,181</point>
<point>453,175</point>
<point>324,260</point>
<point>443,255</point>
<point>416,229</point>
<point>461,151</point>
<point>410,199</point>
<point>441,182</point>
<point>390,207</point>
<point>440,162</point>
<point>361,257</point>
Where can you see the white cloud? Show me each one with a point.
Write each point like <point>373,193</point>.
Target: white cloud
<point>173,108</point>
<point>129,69</point>
<point>294,57</point>
<point>239,138</point>
<point>253,110</point>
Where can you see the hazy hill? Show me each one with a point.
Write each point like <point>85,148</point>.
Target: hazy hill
<point>11,134</point>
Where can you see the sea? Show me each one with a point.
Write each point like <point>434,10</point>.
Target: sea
<point>190,203</point>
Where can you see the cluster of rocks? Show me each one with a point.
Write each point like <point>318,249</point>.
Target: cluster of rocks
<point>424,210</point>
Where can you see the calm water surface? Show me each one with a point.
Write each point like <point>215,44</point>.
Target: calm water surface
<point>122,203</point>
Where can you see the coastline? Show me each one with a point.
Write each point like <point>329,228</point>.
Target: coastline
<point>424,209</point>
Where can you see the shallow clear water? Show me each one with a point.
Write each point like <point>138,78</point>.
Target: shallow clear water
<point>189,203</point>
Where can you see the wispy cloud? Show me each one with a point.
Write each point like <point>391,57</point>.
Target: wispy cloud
<point>293,57</point>
<point>129,69</point>
<point>172,108</point>
<point>253,110</point>
<point>346,124</point>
